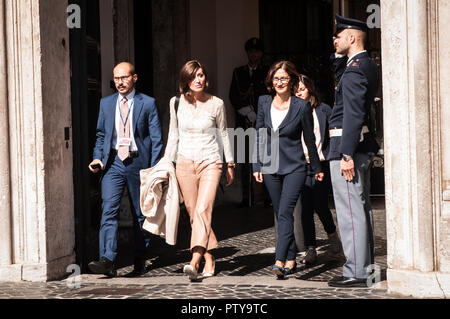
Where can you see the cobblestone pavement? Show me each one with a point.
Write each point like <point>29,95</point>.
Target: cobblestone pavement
<point>144,290</point>
<point>243,266</point>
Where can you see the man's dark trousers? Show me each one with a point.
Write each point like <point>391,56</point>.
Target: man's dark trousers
<point>119,175</point>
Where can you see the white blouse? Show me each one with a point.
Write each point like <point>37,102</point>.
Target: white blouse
<point>318,139</point>
<point>200,133</point>
<point>277,117</point>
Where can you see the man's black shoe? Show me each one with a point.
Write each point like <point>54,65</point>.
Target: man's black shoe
<point>103,266</point>
<point>139,268</point>
<point>112,273</point>
<point>344,282</point>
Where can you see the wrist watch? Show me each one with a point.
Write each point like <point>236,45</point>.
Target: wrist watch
<point>233,165</point>
<point>346,158</point>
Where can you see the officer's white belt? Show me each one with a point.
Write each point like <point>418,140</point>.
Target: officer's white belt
<point>338,132</point>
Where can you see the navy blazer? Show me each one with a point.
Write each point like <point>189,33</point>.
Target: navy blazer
<point>288,153</point>
<point>146,128</point>
<point>354,96</point>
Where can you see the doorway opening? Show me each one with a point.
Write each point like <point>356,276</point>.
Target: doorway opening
<point>300,31</point>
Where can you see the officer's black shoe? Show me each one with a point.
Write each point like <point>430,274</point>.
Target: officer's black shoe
<point>139,268</point>
<point>344,282</point>
<point>103,266</point>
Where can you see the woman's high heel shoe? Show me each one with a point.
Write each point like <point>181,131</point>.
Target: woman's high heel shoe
<point>209,273</point>
<point>278,271</point>
<point>191,272</point>
<point>289,271</point>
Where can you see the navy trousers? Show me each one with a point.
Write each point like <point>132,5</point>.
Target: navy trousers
<point>284,190</point>
<point>119,175</point>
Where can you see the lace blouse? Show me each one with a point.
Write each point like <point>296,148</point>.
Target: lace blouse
<point>198,133</point>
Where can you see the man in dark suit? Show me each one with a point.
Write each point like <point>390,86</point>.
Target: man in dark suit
<point>128,140</point>
<point>247,85</point>
<point>352,147</point>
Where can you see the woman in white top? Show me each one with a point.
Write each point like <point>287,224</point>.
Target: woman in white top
<point>197,138</point>
<point>284,118</point>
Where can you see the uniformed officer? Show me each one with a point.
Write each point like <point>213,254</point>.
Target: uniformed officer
<point>352,147</point>
<point>247,85</point>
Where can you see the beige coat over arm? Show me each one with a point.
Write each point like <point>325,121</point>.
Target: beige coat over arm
<point>160,204</point>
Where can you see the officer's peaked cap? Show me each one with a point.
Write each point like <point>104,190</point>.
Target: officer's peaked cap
<point>346,23</point>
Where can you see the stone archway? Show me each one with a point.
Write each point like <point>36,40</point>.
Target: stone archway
<point>37,214</point>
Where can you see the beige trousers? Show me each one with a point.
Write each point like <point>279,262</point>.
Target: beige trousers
<point>198,183</point>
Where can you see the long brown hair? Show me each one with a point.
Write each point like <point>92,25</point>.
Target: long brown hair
<point>314,96</point>
<point>187,75</point>
<point>290,69</point>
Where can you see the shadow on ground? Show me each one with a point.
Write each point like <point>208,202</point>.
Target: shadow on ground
<point>246,241</point>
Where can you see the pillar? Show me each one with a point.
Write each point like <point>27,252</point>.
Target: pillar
<point>415,67</point>
<point>5,195</point>
<point>37,226</point>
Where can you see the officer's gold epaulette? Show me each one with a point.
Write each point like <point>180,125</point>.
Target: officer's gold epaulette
<point>356,63</point>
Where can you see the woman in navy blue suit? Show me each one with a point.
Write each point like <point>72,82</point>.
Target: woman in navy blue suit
<point>315,193</point>
<point>279,160</point>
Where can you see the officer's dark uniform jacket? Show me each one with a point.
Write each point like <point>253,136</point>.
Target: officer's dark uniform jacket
<point>339,66</point>
<point>239,89</point>
<point>354,96</point>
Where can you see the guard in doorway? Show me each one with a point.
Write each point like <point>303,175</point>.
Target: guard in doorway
<point>247,85</point>
<point>352,147</point>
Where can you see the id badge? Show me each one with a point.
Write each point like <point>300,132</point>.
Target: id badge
<point>125,141</point>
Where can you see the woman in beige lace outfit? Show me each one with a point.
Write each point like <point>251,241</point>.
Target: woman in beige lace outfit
<point>197,136</point>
